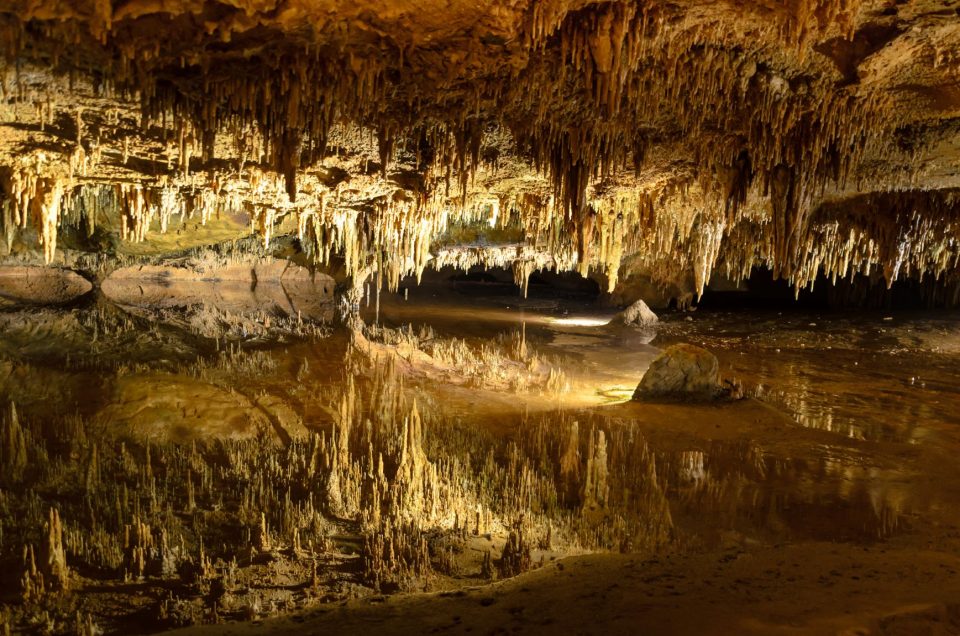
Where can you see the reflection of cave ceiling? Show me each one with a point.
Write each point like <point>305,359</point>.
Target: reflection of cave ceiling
<point>673,139</point>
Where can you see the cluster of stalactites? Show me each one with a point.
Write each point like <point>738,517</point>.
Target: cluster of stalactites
<point>797,133</point>
<point>390,236</point>
<point>888,234</point>
<point>32,198</point>
<point>633,61</point>
<point>682,234</point>
<point>522,259</point>
<point>906,234</point>
<point>796,141</point>
<point>785,135</point>
<point>40,203</point>
<point>676,233</point>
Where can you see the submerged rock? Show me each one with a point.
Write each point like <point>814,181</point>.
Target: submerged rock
<point>682,371</point>
<point>639,314</point>
<point>42,285</point>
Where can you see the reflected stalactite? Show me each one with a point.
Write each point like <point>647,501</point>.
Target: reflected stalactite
<point>333,474</point>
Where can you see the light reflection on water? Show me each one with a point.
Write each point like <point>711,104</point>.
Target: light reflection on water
<point>863,378</point>
<point>818,454</point>
<point>858,381</point>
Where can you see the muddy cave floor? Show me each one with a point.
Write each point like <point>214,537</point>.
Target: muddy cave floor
<point>827,501</point>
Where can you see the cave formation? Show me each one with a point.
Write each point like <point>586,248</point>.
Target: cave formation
<point>618,140</point>
<point>194,193</point>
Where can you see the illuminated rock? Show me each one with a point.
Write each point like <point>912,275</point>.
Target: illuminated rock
<point>639,314</point>
<point>682,371</point>
<point>234,300</point>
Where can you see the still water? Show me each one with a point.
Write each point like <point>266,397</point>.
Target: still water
<point>494,418</point>
<point>849,430</point>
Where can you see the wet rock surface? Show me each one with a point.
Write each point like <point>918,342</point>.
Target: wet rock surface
<point>683,372</point>
<point>260,298</point>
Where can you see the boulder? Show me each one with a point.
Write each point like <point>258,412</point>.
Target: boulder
<point>639,314</point>
<point>681,371</point>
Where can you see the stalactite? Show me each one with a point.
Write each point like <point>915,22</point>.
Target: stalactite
<point>759,132</point>
<point>595,488</point>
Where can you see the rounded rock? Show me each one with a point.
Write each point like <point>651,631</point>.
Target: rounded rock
<point>681,371</point>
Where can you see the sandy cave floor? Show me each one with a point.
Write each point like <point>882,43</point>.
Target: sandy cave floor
<point>806,588</point>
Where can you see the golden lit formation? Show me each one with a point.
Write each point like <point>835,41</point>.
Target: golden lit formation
<point>580,316</point>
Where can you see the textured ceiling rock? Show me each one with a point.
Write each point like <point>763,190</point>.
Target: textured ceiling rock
<point>675,139</point>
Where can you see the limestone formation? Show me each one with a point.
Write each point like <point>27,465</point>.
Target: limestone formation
<point>13,446</point>
<point>639,314</point>
<point>681,371</point>
<point>669,141</point>
<point>53,556</point>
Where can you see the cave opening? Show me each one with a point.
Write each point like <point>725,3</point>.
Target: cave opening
<point>851,294</point>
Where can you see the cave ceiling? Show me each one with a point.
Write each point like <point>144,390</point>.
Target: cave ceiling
<point>669,140</point>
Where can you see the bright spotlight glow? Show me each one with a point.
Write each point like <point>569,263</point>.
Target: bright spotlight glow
<point>580,322</point>
<point>616,395</point>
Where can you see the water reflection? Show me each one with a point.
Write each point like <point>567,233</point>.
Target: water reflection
<point>865,378</point>
<point>337,462</point>
<point>741,487</point>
